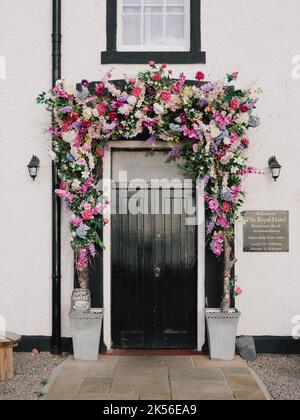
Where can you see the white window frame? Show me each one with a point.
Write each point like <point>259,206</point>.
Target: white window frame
<point>161,47</point>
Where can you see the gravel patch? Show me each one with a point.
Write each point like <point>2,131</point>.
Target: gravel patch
<point>280,374</point>
<point>31,373</point>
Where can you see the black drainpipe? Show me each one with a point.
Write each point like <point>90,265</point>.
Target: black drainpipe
<point>56,203</point>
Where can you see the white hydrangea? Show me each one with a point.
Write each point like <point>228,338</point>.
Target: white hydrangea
<point>69,136</point>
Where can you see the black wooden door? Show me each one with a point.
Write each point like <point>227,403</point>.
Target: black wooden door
<point>154,278</point>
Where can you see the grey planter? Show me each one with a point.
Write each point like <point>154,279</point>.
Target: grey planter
<point>86,333</point>
<point>222,330</point>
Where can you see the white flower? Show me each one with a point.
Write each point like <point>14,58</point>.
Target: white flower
<point>87,114</point>
<point>131,100</point>
<point>125,109</point>
<point>243,118</point>
<point>139,114</point>
<point>227,141</point>
<point>214,132</point>
<point>158,109</point>
<point>70,90</point>
<point>239,160</point>
<point>95,112</point>
<point>69,136</point>
<point>52,155</point>
<point>76,184</point>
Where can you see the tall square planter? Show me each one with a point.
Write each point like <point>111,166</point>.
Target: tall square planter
<point>222,330</point>
<point>86,333</point>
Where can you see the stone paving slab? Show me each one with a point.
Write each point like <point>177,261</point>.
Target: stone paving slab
<point>154,378</point>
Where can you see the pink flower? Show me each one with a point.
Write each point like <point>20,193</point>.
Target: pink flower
<point>244,108</point>
<point>100,89</point>
<point>235,74</point>
<point>195,147</point>
<point>214,206</point>
<point>105,221</point>
<point>234,138</point>
<point>87,215</point>
<point>200,75</point>
<point>226,207</point>
<point>237,291</point>
<point>234,103</point>
<point>164,66</point>
<point>223,222</point>
<point>165,96</point>
<point>156,77</point>
<point>136,92</point>
<point>151,63</point>
<point>132,81</point>
<point>222,120</point>
<point>245,142</point>
<point>83,259</point>
<point>76,221</point>
<point>101,108</point>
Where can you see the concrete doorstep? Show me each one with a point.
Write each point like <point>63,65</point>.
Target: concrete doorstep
<point>162,378</point>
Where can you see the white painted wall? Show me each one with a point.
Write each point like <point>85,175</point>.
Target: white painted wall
<point>257,38</point>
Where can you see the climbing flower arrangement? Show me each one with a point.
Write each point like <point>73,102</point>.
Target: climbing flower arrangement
<point>207,122</point>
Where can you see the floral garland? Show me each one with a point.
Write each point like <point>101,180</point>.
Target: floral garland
<point>208,121</point>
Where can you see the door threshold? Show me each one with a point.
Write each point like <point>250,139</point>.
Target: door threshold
<point>154,352</point>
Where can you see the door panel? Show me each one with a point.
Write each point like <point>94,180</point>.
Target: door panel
<point>154,279</point>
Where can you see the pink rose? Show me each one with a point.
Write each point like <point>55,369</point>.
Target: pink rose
<point>235,74</point>
<point>105,221</point>
<point>200,75</point>
<point>87,215</point>
<point>244,108</point>
<point>165,96</point>
<point>136,92</point>
<point>214,206</point>
<point>156,77</point>
<point>100,89</point>
<point>151,63</point>
<point>164,66</point>
<point>101,108</point>
<point>226,207</point>
<point>234,103</point>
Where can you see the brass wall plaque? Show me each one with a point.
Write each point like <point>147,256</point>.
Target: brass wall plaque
<point>266,231</point>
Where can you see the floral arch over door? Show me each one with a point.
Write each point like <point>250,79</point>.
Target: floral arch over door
<point>208,121</point>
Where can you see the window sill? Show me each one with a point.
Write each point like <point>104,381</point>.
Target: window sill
<point>142,57</point>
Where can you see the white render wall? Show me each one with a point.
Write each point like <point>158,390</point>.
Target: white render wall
<point>257,38</point>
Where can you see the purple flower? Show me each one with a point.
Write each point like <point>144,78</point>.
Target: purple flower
<point>151,140</point>
<point>203,103</point>
<point>174,152</point>
<point>207,87</point>
<point>206,180</point>
<point>66,109</point>
<point>92,249</point>
<point>211,226</point>
<point>150,90</point>
<point>85,83</point>
<point>214,149</point>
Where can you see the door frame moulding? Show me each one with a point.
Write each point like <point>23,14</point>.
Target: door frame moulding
<point>107,174</point>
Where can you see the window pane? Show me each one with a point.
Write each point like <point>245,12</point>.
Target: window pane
<point>155,2</point>
<point>130,2</point>
<point>175,9</point>
<point>132,29</point>
<point>173,2</point>
<point>154,9</point>
<point>130,10</point>
<point>154,29</point>
<point>175,29</point>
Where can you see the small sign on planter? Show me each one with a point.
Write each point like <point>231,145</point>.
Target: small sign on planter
<point>81,300</point>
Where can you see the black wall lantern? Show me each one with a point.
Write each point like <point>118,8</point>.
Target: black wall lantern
<point>33,167</point>
<point>275,167</point>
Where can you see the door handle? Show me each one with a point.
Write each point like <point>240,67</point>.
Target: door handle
<point>157,272</point>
